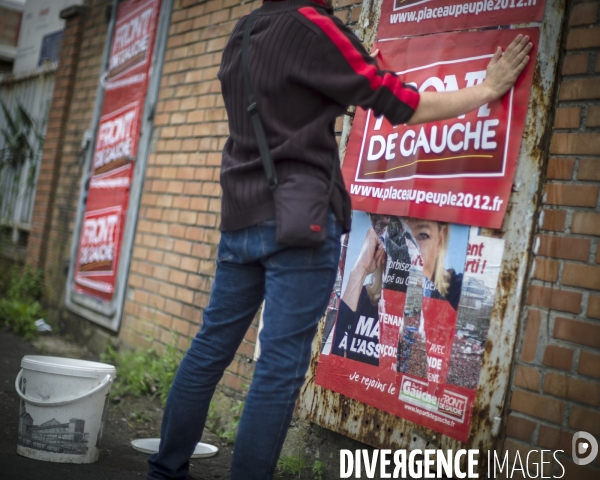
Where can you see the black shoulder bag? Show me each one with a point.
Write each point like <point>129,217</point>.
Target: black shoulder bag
<point>301,201</point>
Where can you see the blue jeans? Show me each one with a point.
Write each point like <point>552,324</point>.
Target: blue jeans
<point>296,284</point>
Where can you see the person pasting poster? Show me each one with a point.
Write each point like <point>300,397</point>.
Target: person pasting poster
<point>401,341</point>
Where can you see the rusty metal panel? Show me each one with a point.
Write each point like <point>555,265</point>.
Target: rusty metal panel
<point>381,429</point>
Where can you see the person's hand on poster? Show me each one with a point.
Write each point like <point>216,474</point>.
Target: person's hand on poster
<point>372,255</point>
<point>504,68</point>
<point>502,72</point>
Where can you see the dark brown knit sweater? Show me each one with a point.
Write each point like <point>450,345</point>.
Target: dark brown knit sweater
<point>306,69</point>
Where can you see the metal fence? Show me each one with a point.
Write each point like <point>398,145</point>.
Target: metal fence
<point>18,184</point>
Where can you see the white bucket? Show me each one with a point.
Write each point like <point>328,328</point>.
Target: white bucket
<point>63,405</point>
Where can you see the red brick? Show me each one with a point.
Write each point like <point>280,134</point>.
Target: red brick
<point>180,326</point>
<point>584,276</point>
<point>593,116</point>
<point>555,299</point>
<point>589,364</point>
<point>538,406</point>
<point>528,377</point>
<point>577,332</point>
<point>560,168</point>
<point>567,117</point>
<point>593,308</point>
<point>585,419</point>
<point>565,386</point>
<point>586,223</point>
<point>568,248</point>
<point>558,357</point>
<point>252,333</point>
<point>342,15</point>
<point>520,428</point>
<point>355,14</point>
<point>555,439</point>
<point>546,270</point>
<point>584,14</point>
<point>589,168</point>
<point>580,38</point>
<point>571,195</point>
<point>233,381</point>
<point>553,220</point>
<point>246,349</point>
<point>532,331</point>
<point>576,143</point>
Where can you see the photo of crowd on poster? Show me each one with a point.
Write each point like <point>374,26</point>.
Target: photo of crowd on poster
<point>397,258</point>
<point>411,313</point>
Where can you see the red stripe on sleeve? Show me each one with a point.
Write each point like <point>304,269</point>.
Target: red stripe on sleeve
<point>357,62</point>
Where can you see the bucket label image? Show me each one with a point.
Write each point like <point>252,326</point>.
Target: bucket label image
<point>66,436</point>
<point>407,331</point>
<point>62,408</point>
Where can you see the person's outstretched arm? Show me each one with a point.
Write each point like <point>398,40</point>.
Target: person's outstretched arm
<point>502,72</point>
<point>342,70</point>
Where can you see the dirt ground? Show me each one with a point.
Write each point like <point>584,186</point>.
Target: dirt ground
<point>127,419</point>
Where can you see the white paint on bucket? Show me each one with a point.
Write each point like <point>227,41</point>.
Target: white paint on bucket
<point>62,409</point>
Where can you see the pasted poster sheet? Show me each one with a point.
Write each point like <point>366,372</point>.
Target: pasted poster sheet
<point>459,170</point>
<point>407,330</point>
<point>115,151</point>
<point>403,18</point>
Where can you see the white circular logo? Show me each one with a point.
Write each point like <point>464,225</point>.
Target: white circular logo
<point>586,450</point>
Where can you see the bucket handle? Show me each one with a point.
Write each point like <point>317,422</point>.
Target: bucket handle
<point>41,403</point>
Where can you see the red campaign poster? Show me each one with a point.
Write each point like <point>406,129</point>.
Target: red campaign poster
<point>459,170</point>
<point>125,83</point>
<point>98,254</point>
<point>404,18</point>
<point>407,329</point>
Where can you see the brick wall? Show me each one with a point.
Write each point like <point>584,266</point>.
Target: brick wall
<point>63,202</point>
<point>556,379</point>
<point>175,246</point>
<point>55,135</point>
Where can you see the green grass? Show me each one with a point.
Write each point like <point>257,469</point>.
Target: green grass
<point>230,431</point>
<point>318,470</point>
<point>292,465</point>
<point>20,301</point>
<point>144,372</point>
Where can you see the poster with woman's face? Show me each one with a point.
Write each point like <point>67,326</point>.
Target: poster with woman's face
<point>400,337</point>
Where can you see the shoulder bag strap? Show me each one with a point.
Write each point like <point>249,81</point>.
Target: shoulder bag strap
<point>259,131</point>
